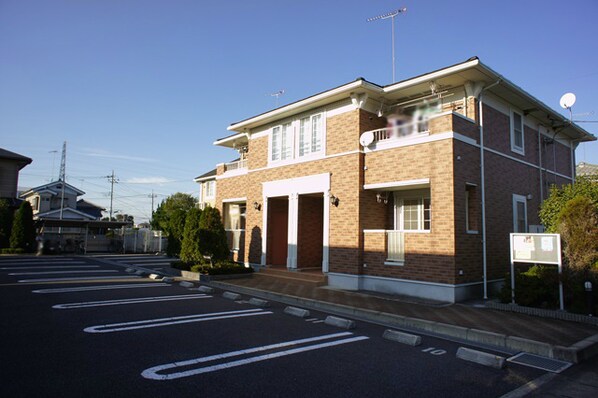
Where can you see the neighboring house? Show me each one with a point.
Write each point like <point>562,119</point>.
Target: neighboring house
<point>90,208</point>
<point>587,169</point>
<point>207,189</point>
<point>410,188</point>
<point>46,201</point>
<point>10,165</point>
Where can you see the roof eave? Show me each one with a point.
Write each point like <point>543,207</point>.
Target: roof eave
<point>295,106</point>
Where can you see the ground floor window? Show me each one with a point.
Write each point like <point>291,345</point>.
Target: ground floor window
<point>234,224</point>
<point>413,210</point>
<point>519,213</point>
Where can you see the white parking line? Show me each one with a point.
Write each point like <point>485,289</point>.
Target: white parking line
<point>50,266</point>
<point>80,278</point>
<point>61,272</point>
<point>39,262</point>
<point>152,373</point>
<point>139,300</point>
<point>152,323</point>
<point>105,287</point>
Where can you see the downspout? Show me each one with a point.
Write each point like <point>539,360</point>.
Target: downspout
<point>540,163</point>
<point>483,186</point>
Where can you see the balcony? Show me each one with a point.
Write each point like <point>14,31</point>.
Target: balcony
<point>402,131</point>
<point>233,166</point>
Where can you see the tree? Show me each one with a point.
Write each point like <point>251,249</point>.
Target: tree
<point>23,231</point>
<point>212,237</point>
<point>170,217</point>
<point>578,226</point>
<point>549,213</point>
<point>190,250</point>
<point>6,216</point>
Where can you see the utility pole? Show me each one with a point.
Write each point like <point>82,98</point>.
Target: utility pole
<point>112,180</point>
<point>153,196</point>
<point>62,179</point>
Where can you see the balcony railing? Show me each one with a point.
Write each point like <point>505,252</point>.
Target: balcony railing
<point>408,130</point>
<point>395,246</point>
<point>239,164</point>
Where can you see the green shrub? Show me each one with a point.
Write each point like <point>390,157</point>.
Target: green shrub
<point>22,235</point>
<point>551,207</point>
<point>212,237</point>
<point>578,226</point>
<point>8,250</point>
<point>6,216</point>
<point>191,236</point>
<point>222,268</point>
<point>536,287</point>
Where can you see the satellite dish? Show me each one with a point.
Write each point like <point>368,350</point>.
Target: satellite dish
<point>567,100</point>
<point>366,138</point>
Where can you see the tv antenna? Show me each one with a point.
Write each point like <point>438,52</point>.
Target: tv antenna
<point>277,94</point>
<point>54,152</point>
<point>567,101</point>
<point>392,15</point>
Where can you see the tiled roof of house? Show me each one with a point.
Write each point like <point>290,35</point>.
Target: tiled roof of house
<point>585,169</point>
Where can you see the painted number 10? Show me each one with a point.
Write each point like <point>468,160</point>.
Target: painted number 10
<point>434,351</point>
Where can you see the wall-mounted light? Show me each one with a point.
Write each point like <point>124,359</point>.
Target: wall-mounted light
<point>529,196</point>
<point>382,198</point>
<point>257,206</point>
<point>334,200</point>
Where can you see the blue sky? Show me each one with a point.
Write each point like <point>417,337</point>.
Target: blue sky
<point>144,87</point>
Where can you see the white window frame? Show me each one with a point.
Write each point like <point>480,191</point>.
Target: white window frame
<point>519,199</point>
<point>295,140</point>
<point>467,200</point>
<point>399,215</point>
<point>514,147</point>
<point>207,193</point>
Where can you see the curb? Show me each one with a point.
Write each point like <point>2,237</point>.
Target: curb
<point>578,352</point>
<point>543,313</point>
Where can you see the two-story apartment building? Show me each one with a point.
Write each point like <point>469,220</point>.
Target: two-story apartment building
<point>410,188</point>
<point>10,165</point>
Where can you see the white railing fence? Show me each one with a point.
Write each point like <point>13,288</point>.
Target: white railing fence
<point>395,243</point>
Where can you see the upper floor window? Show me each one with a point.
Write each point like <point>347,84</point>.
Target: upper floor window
<point>210,189</point>
<point>310,135</point>
<point>297,138</point>
<point>517,139</point>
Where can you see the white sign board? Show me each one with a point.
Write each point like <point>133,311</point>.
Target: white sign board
<point>536,249</point>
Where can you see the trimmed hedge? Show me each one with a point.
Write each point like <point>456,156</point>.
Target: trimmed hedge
<point>13,251</point>
<point>220,268</point>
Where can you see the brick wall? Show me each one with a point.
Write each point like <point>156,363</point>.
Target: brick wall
<point>429,256</point>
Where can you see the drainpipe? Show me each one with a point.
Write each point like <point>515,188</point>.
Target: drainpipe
<point>540,163</point>
<point>483,185</point>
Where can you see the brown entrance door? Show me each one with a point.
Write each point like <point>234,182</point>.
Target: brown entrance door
<point>278,228</point>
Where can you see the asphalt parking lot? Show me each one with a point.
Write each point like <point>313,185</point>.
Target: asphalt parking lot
<point>77,327</point>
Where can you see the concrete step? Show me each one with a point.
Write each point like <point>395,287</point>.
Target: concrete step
<point>317,279</point>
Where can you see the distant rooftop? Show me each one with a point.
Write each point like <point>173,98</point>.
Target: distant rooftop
<point>586,169</point>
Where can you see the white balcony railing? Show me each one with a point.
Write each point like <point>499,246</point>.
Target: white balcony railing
<point>239,164</point>
<point>395,244</point>
<point>408,130</point>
